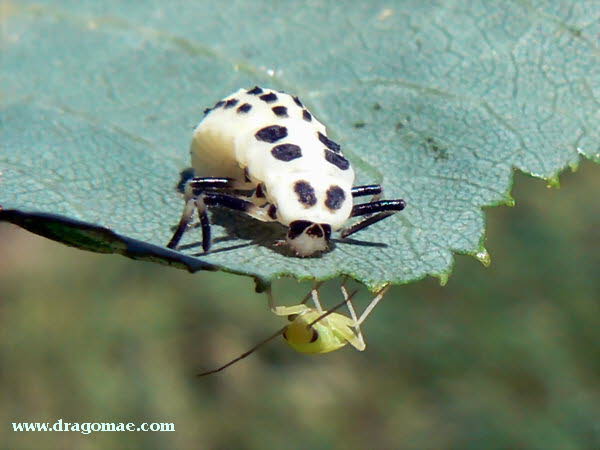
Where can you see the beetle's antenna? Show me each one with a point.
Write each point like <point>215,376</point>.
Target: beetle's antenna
<point>243,355</point>
<point>332,310</point>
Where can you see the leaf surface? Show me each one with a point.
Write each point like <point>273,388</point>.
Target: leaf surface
<point>438,102</point>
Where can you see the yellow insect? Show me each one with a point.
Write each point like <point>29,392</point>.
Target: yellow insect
<point>313,330</point>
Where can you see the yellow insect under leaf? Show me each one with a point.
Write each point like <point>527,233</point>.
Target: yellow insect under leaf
<point>313,330</point>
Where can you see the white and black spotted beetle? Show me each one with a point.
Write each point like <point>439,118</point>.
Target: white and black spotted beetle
<point>262,152</point>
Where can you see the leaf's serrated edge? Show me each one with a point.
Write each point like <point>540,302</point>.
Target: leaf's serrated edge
<point>99,239</point>
<point>95,238</point>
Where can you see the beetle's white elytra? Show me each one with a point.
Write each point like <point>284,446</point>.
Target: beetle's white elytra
<point>271,142</point>
<point>267,142</point>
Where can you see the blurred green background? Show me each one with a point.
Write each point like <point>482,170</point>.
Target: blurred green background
<point>504,357</point>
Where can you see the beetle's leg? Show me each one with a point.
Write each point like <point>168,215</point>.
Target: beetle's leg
<point>194,187</point>
<point>370,189</point>
<point>237,204</point>
<point>201,192</point>
<point>376,211</point>
<point>378,206</point>
<point>200,184</point>
<point>186,217</point>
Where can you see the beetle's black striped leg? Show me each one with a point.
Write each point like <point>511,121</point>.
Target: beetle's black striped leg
<point>193,190</point>
<point>197,185</point>
<point>378,206</point>
<point>365,223</point>
<point>186,217</point>
<point>201,202</point>
<point>205,225</point>
<point>376,211</point>
<point>228,201</point>
<point>370,189</point>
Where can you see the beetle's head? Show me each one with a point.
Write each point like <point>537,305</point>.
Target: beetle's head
<point>307,238</point>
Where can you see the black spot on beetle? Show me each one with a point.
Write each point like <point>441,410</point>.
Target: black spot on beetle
<point>244,108</point>
<point>269,98</point>
<point>259,191</point>
<point>327,230</point>
<point>271,134</point>
<point>255,91</point>
<point>219,104</point>
<point>329,143</point>
<point>207,110</point>
<point>280,111</point>
<point>297,227</point>
<point>298,102</point>
<point>335,197</point>
<point>337,160</point>
<point>231,103</point>
<point>306,193</point>
<point>306,115</point>
<point>272,212</point>
<point>315,231</point>
<point>286,152</point>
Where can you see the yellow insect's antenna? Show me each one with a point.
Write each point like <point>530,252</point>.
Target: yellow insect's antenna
<point>243,355</point>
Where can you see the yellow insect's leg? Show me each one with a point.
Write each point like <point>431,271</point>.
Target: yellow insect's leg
<point>314,293</point>
<point>355,339</point>
<point>289,310</point>
<point>373,303</point>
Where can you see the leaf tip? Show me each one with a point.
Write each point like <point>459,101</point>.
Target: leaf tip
<point>483,257</point>
<point>443,278</point>
<point>509,201</point>
<point>574,166</point>
<point>553,182</point>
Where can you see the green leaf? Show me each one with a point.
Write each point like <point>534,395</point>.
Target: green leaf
<point>437,102</point>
